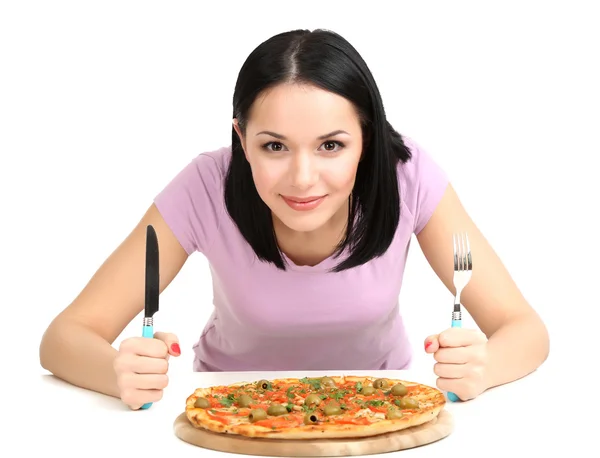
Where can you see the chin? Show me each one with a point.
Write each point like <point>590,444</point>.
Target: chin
<point>303,223</point>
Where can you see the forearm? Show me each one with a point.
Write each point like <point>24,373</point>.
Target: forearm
<point>79,356</point>
<point>515,350</point>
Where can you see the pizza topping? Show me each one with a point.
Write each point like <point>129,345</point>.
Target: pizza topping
<point>227,401</point>
<point>380,383</point>
<point>312,400</point>
<point>202,403</point>
<point>283,404</point>
<point>244,400</point>
<point>264,385</point>
<point>327,382</point>
<point>310,419</point>
<point>399,390</point>
<point>314,383</point>
<point>276,409</point>
<point>332,409</point>
<point>391,414</point>
<point>257,415</point>
<point>367,391</point>
<point>407,403</point>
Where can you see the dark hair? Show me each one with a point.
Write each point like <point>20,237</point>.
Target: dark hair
<point>326,60</point>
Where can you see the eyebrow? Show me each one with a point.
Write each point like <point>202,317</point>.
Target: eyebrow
<point>321,137</point>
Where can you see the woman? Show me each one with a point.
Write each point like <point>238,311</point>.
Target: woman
<point>306,221</point>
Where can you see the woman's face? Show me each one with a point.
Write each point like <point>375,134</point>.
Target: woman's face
<point>303,145</point>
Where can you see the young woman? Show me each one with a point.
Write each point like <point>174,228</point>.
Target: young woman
<point>306,221</point>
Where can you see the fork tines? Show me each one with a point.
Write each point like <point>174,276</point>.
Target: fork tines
<point>463,265</point>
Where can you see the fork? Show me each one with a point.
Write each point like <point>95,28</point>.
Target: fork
<point>463,266</point>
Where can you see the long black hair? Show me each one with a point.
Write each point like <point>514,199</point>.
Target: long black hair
<point>326,60</point>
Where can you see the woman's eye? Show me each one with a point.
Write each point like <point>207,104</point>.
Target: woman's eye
<point>332,146</point>
<point>276,147</point>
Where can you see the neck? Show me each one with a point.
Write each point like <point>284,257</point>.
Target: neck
<point>311,248</point>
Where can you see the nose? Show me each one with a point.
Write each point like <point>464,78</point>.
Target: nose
<point>303,170</point>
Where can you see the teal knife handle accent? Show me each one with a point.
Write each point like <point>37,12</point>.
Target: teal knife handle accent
<point>147,331</point>
<point>452,396</point>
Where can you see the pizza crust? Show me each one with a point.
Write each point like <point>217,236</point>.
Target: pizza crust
<point>431,401</point>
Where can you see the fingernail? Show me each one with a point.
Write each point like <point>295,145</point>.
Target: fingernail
<point>175,348</point>
<point>427,345</point>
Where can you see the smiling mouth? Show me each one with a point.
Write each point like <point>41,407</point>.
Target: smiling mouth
<point>303,203</point>
<point>302,200</point>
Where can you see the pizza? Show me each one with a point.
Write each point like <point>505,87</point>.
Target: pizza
<point>318,407</point>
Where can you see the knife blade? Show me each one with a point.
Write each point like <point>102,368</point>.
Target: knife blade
<point>152,286</point>
<point>152,277</point>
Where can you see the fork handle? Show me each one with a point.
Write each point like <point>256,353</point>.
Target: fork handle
<point>456,323</point>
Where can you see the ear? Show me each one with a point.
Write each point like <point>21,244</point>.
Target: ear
<point>238,131</point>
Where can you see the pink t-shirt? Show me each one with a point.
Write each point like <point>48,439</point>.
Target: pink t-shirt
<point>305,318</point>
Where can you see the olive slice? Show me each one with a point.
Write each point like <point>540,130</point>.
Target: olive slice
<point>408,403</point>
<point>244,400</point>
<point>312,400</point>
<point>263,384</point>
<point>332,409</point>
<point>380,383</point>
<point>393,413</point>
<point>202,403</point>
<point>257,415</point>
<point>367,391</point>
<point>276,409</point>
<point>399,390</point>
<point>327,382</point>
<point>310,419</point>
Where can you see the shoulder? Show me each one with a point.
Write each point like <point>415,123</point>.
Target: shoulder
<point>211,166</point>
<point>192,202</point>
<point>422,183</point>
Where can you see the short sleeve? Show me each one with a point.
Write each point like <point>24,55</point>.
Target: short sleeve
<point>422,183</point>
<point>191,203</point>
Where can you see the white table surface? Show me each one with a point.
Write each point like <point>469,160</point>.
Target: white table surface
<point>527,416</point>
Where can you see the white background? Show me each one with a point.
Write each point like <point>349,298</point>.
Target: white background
<point>102,103</point>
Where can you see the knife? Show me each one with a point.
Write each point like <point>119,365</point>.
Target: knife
<point>152,286</point>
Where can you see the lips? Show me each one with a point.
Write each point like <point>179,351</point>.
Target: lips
<point>303,203</point>
<point>302,200</point>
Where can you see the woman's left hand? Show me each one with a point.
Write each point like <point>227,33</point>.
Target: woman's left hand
<point>461,356</point>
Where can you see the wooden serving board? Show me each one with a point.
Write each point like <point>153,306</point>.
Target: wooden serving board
<point>427,433</point>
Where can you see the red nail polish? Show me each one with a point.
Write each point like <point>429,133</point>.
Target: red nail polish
<point>175,348</point>
<point>427,345</point>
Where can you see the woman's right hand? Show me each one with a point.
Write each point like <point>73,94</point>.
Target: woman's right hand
<point>141,367</point>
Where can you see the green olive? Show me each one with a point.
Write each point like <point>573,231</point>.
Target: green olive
<point>327,381</point>
<point>393,413</point>
<point>244,400</point>
<point>367,390</point>
<point>399,390</point>
<point>310,419</point>
<point>409,403</point>
<point>312,399</point>
<point>380,383</point>
<point>276,409</point>
<point>257,414</point>
<point>263,384</point>
<point>332,409</point>
<point>202,403</point>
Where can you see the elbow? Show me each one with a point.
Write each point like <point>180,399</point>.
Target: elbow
<point>44,349</point>
<point>541,337</point>
<point>545,341</point>
<point>48,346</point>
